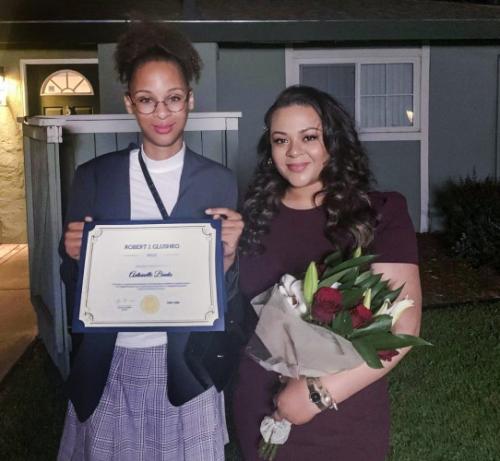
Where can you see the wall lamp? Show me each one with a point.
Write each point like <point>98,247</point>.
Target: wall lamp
<point>3,87</point>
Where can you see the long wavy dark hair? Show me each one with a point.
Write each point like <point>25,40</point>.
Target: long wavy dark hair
<point>346,177</point>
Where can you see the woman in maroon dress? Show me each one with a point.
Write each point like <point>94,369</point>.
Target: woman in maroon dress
<point>310,195</point>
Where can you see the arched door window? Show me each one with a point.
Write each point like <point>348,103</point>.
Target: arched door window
<point>66,82</point>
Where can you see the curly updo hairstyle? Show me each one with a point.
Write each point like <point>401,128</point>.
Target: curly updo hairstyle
<point>346,177</point>
<point>147,41</point>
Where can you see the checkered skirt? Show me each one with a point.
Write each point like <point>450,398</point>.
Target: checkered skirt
<point>134,420</point>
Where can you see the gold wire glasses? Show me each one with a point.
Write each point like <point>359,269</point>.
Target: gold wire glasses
<point>147,104</point>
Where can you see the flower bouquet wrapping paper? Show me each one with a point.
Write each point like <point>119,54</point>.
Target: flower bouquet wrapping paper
<point>296,347</point>
<point>328,322</point>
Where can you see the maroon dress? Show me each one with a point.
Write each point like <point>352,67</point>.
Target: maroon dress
<point>359,430</point>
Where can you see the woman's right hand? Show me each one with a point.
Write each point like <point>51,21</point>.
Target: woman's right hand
<point>73,238</point>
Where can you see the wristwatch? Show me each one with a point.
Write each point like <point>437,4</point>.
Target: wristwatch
<point>319,395</point>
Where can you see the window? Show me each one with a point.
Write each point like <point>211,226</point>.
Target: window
<point>336,79</point>
<point>380,88</point>
<point>386,95</point>
<point>66,82</point>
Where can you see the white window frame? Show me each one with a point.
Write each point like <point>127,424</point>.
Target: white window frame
<point>420,57</point>
<point>74,91</point>
<point>294,58</point>
<point>23,63</point>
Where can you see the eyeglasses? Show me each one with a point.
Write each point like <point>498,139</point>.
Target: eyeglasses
<point>147,105</point>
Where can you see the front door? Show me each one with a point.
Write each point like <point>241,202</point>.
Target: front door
<point>62,89</point>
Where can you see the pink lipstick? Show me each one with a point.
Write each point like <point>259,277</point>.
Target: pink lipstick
<point>297,167</point>
<point>164,129</point>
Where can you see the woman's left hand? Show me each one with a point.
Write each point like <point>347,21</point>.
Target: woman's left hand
<point>232,227</point>
<point>293,403</point>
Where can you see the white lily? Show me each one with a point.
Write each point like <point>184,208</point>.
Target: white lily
<point>395,310</point>
<point>291,289</point>
<point>367,298</point>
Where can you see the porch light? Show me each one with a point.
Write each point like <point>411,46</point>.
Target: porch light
<point>3,87</point>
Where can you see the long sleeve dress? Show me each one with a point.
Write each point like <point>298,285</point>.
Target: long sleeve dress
<point>359,430</point>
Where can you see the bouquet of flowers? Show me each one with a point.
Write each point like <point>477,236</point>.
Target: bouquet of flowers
<point>325,324</point>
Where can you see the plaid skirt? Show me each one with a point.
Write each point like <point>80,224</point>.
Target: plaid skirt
<point>134,420</point>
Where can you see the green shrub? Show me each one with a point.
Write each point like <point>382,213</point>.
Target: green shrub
<point>471,212</point>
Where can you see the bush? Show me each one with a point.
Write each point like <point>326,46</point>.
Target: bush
<point>471,212</point>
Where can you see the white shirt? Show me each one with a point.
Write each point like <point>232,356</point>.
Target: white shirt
<point>166,176</point>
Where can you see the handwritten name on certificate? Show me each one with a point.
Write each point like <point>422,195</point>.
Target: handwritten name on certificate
<point>151,276</point>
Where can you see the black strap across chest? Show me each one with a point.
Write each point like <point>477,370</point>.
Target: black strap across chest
<point>152,187</point>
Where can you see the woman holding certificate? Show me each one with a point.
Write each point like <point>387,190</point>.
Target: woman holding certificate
<point>311,195</point>
<point>137,395</point>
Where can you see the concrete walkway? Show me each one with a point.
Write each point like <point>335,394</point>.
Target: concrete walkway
<point>17,317</point>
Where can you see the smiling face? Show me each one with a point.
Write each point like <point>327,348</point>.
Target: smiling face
<point>298,151</point>
<point>162,130</point>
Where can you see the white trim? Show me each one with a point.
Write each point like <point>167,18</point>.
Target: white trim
<point>357,101</point>
<point>290,77</point>
<point>349,53</point>
<point>59,61</point>
<point>74,93</point>
<point>232,123</point>
<point>424,140</point>
<point>24,62</point>
<point>390,136</point>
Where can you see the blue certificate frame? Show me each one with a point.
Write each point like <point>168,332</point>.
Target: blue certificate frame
<point>150,276</point>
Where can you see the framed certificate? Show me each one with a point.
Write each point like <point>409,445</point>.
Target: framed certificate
<point>150,276</point>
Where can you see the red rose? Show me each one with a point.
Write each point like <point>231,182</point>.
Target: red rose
<point>326,303</point>
<point>387,355</point>
<point>360,315</point>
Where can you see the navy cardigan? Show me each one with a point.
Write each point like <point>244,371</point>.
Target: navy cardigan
<point>195,361</point>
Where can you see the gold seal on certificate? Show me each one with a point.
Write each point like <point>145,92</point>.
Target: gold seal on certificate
<point>153,275</point>
<point>150,304</point>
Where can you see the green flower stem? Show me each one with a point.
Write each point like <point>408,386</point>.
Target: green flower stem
<point>267,450</point>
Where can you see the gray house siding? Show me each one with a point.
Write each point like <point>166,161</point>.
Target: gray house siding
<point>463,114</point>
<point>111,90</point>
<point>396,167</point>
<point>248,80</point>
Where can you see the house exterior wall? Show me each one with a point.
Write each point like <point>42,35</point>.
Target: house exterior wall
<point>110,89</point>
<point>248,80</point>
<point>12,194</point>
<point>463,115</point>
<point>396,167</point>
